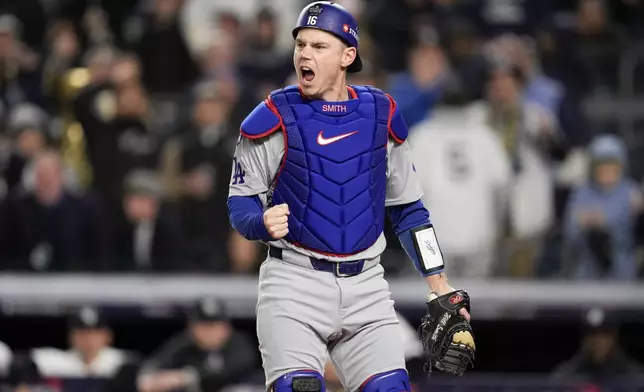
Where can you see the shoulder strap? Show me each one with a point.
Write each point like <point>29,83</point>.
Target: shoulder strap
<point>383,107</point>
<point>386,106</point>
<point>280,100</point>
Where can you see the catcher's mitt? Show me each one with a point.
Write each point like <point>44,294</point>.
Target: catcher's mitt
<point>446,335</point>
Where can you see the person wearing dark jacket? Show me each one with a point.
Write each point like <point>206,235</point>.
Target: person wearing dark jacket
<point>27,126</point>
<point>600,360</point>
<point>208,356</point>
<point>196,173</point>
<point>118,129</point>
<point>148,234</point>
<point>46,227</point>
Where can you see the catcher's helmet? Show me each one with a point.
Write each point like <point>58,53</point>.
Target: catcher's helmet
<point>335,19</point>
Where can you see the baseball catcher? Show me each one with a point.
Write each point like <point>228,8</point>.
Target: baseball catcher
<point>317,169</point>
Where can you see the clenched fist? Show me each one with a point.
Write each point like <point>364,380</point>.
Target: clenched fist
<point>276,221</point>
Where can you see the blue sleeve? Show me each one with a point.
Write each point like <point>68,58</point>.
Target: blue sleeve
<point>404,218</point>
<point>246,216</point>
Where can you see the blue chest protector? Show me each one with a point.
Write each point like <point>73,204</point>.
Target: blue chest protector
<point>333,175</point>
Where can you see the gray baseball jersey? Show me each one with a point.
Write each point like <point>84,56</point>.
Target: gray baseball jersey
<point>305,316</point>
<point>260,160</point>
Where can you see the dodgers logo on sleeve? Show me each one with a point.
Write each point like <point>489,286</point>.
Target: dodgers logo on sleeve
<point>238,172</point>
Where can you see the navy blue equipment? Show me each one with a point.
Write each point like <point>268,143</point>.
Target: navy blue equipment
<point>300,381</point>
<point>395,380</point>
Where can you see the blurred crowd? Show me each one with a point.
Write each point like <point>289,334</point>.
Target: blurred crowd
<point>207,355</point>
<point>118,120</point>
<point>210,354</point>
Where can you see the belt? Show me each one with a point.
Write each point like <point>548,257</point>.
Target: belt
<point>341,270</point>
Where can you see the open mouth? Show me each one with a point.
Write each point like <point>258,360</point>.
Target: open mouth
<point>307,73</point>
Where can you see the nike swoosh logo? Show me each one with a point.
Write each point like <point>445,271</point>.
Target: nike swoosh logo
<point>326,141</point>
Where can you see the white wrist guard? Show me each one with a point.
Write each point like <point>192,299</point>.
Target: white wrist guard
<point>429,253</point>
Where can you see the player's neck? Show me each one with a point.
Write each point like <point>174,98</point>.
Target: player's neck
<point>338,93</point>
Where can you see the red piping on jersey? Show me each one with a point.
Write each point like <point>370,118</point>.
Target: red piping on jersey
<point>271,106</point>
<point>392,110</point>
<point>369,379</point>
<point>329,253</point>
<point>366,381</point>
<point>352,92</point>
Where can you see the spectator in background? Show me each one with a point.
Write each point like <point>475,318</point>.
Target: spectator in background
<point>24,376</point>
<point>261,60</point>
<point>391,26</point>
<point>524,130</point>
<point>553,96</point>
<point>64,52</point>
<point>467,65</point>
<point>220,60</point>
<point>601,216</point>
<point>591,50</point>
<point>168,67</point>
<point>28,126</point>
<point>148,236</point>
<point>540,90</point>
<point>544,93</point>
<point>209,356</point>
<point>99,61</point>
<point>456,159</point>
<point>631,14</point>
<point>197,169</point>
<point>19,65</point>
<point>119,134</point>
<point>600,360</point>
<point>230,24</point>
<point>49,228</point>
<point>166,63</point>
<point>33,17</point>
<point>202,17</point>
<point>418,90</point>
<point>599,44</point>
<point>257,68</point>
<point>496,17</point>
<point>97,22</point>
<point>90,354</point>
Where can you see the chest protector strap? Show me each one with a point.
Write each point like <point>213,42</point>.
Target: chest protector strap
<point>291,135</point>
<point>384,110</point>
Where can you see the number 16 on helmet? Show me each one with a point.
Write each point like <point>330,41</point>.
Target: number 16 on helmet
<point>335,19</point>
